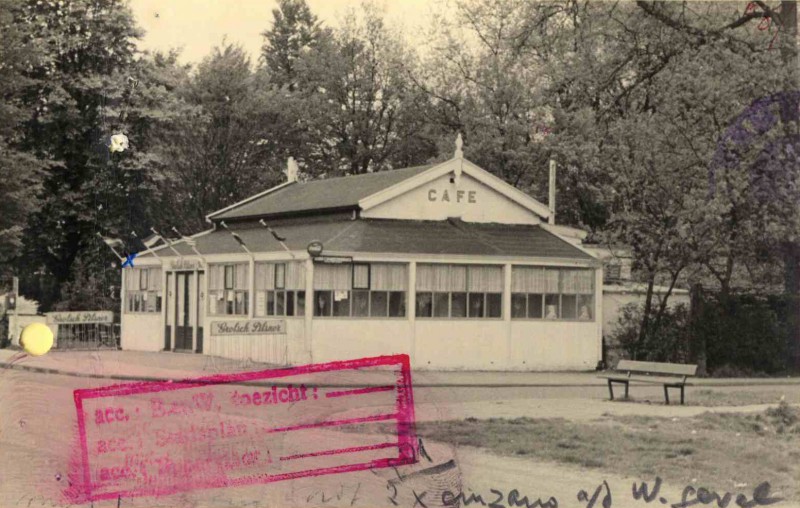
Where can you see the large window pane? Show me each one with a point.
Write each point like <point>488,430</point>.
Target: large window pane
<point>586,307</point>
<point>494,305</point>
<point>341,303</point>
<point>551,307</point>
<point>518,304</point>
<point>458,305</point>
<point>228,276</point>
<point>380,304</point>
<point>441,304</point>
<point>280,303</point>
<point>361,303</point>
<point>569,307</point>
<point>323,303</point>
<point>397,304</point>
<point>475,305</point>
<point>301,303</point>
<point>290,303</point>
<point>424,306</point>
<point>270,303</point>
<point>535,306</point>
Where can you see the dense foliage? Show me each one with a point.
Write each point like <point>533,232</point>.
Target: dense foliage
<point>645,106</point>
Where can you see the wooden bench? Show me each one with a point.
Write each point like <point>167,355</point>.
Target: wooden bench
<point>650,372</point>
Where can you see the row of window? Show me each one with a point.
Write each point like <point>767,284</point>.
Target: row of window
<point>380,290</point>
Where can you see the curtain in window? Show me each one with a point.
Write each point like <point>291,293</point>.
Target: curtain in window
<point>389,277</point>
<point>527,279</point>
<point>433,277</point>
<point>133,279</point>
<point>295,276</point>
<point>332,277</point>
<point>240,279</point>
<point>361,276</point>
<point>485,279</point>
<point>216,277</point>
<point>551,280</point>
<point>458,278</point>
<point>265,276</point>
<point>154,279</point>
<point>577,281</point>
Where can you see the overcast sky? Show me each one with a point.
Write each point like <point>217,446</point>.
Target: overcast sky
<point>199,25</point>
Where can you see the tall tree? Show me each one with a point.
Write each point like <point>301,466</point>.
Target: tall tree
<point>236,139</point>
<point>362,113</point>
<point>295,31</point>
<point>20,171</point>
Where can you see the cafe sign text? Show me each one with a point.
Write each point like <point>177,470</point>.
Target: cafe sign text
<point>82,317</point>
<point>249,327</point>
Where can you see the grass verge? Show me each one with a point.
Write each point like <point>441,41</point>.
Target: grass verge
<point>723,452</point>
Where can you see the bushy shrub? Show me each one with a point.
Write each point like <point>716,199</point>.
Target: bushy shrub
<point>664,341</point>
<point>745,333</point>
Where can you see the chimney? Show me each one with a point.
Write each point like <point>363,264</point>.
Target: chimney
<point>552,194</point>
<point>291,170</point>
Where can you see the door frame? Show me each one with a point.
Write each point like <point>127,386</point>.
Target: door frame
<point>194,301</point>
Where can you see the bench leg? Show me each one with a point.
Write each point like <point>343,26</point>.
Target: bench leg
<point>666,394</point>
<point>626,389</point>
<point>610,390</point>
<point>681,395</point>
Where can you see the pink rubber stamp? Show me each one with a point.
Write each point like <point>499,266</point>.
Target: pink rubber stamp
<point>160,438</point>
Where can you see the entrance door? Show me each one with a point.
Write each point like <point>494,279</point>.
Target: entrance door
<point>188,304</point>
<point>183,308</point>
<point>169,305</point>
<point>201,306</point>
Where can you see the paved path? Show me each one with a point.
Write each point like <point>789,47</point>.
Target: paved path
<point>37,417</point>
<point>137,364</point>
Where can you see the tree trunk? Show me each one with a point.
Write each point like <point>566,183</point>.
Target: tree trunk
<point>697,339</point>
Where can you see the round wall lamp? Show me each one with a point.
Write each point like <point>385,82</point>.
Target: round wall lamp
<point>314,248</point>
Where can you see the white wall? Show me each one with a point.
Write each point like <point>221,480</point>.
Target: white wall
<point>346,339</point>
<point>142,332</point>
<point>277,349</point>
<point>553,345</point>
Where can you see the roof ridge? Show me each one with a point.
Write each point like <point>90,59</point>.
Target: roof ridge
<point>371,173</point>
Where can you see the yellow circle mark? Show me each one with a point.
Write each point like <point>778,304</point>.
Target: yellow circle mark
<point>36,339</point>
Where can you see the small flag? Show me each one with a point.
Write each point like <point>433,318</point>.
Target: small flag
<point>235,237</point>
<point>151,241</point>
<point>238,239</point>
<point>272,232</point>
<point>113,242</point>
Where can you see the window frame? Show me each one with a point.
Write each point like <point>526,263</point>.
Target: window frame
<point>229,292</point>
<point>136,300</point>
<point>544,295</point>
<point>464,297</point>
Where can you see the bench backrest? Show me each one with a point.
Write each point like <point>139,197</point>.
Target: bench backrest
<point>674,369</point>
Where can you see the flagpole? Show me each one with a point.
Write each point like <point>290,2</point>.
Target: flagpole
<point>276,237</point>
<point>169,244</point>
<point>237,238</point>
<point>190,243</point>
<point>110,247</point>
<point>148,248</point>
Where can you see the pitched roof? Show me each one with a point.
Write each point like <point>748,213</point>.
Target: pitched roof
<point>391,236</point>
<point>326,194</point>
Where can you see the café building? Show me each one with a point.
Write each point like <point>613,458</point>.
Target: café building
<point>445,262</point>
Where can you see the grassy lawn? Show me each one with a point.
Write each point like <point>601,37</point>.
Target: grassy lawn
<point>713,450</point>
<point>714,398</point>
<point>717,451</point>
